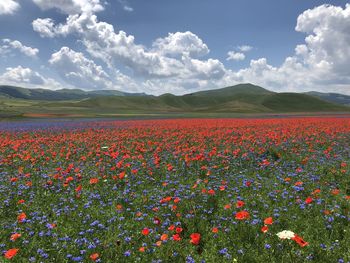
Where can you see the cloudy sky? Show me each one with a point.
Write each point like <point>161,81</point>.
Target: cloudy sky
<point>181,46</point>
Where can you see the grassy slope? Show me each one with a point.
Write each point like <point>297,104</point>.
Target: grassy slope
<point>244,98</point>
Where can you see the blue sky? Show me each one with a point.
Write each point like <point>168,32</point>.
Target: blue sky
<point>159,46</point>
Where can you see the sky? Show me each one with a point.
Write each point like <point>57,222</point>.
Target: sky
<point>182,46</point>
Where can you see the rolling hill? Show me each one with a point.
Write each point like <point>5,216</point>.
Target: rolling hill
<point>242,98</point>
<point>331,97</point>
<point>57,95</point>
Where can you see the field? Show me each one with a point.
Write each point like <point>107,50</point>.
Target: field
<point>181,190</point>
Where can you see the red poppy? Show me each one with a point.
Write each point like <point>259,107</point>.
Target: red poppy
<point>195,238</point>
<point>164,237</point>
<point>240,204</point>
<point>94,256</point>
<point>264,229</point>
<point>21,217</point>
<point>93,180</point>
<point>300,241</point>
<point>242,215</point>
<point>15,236</point>
<point>11,253</point>
<point>308,200</point>
<point>215,230</point>
<point>268,221</point>
<point>178,230</point>
<point>211,192</point>
<point>145,231</point>
<point>176,237</point>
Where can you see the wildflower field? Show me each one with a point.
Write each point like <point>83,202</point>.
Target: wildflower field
<point>186,190</point>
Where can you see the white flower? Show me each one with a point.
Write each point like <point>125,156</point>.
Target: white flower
<point>104,147</point>
<point>286,234</point>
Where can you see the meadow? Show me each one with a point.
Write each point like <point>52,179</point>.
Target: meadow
<point>180,190</point>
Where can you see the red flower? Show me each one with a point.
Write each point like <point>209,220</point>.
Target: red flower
<point>15,236</point>
<point>11,253</point>
<point>195,238</point>
<point>176,237</point>
<point>268,221</point>
<point>242,215</point>
<point>145,231</point>
<point>299,240</point>
<point>21,217</point>
<point>93,180</point>
<point>264,229</point>
<point>94,256</point>
<point>178,230</point>
<point>308,200</point>
<point>211,192</point>
<point>215,230</point>
<point>240,204</point>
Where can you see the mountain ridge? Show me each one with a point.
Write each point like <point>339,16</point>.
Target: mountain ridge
<point>241,98</point>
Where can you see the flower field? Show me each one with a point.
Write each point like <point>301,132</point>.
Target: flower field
<point>187,190</point>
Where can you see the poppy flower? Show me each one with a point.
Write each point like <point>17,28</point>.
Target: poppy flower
<point>21,217</point>
<point>242,215</point>
<point>215,230</point>
<point>308,200</point>
<point>94,256</point>
<point>15,236</point>
<point>176,237</point>
<point>195,238</point>
<point>264,229</point>
<point>301,242</point>
<point>93,180</point>
<point>240,204</point>
<point>11,253</point>
<point>145,231</point>
<point>164,237</point>
<point>268,221</point>
<point>211,192</point>
<point>178,230</point>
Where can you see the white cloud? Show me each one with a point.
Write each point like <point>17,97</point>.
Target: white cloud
<point>237,56</point>
<point>28,78</point>
<point>245,48</point>
<point>9,45</point>
<point>8,7</point>
<point>79,71</point>
<point>126,6</point>
<point>180,43</point>
<point>177,62</point>
<point>45,27</point>
<point>71,6</point>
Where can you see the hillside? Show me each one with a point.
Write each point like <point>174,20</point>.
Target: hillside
<point>331,97</point>
<point>243,98</point>
<point>57,95</point>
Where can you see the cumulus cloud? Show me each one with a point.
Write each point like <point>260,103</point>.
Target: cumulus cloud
<point>237,56</point>
<point>28,78</point>
<point>9,45</point>
<point>8,7</point>
<point>77,70</point>
<point>178,43</point>
<point>71,6</point>
<point>178,62</point>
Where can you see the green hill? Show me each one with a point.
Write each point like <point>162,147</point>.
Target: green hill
<point>57,95</point>
<point>243,98</point>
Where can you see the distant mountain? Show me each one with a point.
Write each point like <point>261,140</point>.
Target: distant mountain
<point>242,98</point>
<point>56,95</point>
<point>332,97</point>
<point>239,98</point>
